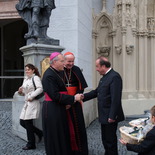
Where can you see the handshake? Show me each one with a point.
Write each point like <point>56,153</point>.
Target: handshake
<point>79,97</point>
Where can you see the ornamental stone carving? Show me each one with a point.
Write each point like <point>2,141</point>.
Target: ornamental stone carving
<point>129,49</point>
<point>118,49</point>
<point>125,14</point>
<point>105,51</point>
<point>94,34</point>
<point>151,24</point>
<point>104,24</point>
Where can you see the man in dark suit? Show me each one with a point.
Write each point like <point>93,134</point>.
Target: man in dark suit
<point>108,93</point>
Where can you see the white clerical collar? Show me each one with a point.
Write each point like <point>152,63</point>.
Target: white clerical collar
<point>107,71</point>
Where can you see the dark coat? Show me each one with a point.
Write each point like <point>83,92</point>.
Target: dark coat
<point>76,111</point>
<point>108,93</point>
<point>146,147</point>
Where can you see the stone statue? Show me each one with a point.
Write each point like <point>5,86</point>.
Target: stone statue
<point>37,15</point>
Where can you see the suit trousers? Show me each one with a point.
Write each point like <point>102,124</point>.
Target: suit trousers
<point>109,138</point>
<point>31,131</point>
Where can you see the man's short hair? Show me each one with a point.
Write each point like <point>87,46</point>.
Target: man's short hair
<point>104,61</point>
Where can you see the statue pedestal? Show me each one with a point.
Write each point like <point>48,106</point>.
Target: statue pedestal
<point>35,54</point>
<point>45,41</point>
<point>17,105</point>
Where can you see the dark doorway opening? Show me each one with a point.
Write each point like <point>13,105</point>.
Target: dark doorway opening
<point>12,62</point>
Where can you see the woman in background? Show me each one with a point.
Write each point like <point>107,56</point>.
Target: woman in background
<point>31,107</point>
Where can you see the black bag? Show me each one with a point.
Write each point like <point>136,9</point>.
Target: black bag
<point>40,95</point>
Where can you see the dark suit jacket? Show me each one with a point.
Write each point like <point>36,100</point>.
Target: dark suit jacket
<point>108,93</point>
<point>147,147</point>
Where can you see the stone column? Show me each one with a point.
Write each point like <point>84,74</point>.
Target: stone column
<point>142,50</point>
<point>152,67</point>
<point>35,54</point>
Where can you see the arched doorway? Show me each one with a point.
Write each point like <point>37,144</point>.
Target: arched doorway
<point>11,60</point>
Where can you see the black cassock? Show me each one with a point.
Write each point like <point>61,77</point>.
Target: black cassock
<point>54,117</point>
<point>76,112</point>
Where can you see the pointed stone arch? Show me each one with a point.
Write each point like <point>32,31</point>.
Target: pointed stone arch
<point>102,38</point>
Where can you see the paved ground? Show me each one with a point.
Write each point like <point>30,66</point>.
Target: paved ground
<point>11,144</point>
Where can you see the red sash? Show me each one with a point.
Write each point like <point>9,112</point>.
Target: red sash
<point>47,98</point>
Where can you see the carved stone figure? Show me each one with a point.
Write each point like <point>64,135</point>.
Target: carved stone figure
<point>129,49</point>
<point>37,15</point>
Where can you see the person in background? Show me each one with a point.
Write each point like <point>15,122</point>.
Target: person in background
<point>147,146</point>
<point>75,83</point>
<point>55,123</point>
<point>31,107</point>
<point>108,93</point>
